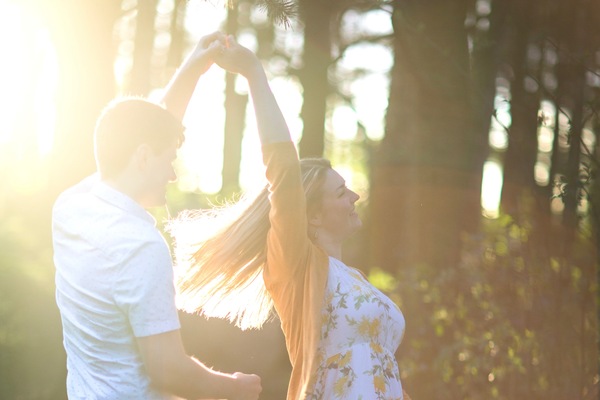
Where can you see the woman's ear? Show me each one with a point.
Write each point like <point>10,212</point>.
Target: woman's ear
<point>315,219</point>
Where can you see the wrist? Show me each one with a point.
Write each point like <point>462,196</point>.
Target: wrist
<point>255,71</point>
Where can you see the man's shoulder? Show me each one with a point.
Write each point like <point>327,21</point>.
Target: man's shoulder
<point>81,212</point>
<point>82,187</point>
<point>77,197</point>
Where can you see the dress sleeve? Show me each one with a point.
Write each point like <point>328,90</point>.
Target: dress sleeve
<point>288,246</point>
<point>295,272</point>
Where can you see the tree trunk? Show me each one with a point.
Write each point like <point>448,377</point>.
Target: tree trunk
<point>521,154</point>
<point>569,380</point>
<point>143,48</point>
<point>486,57</point>
<point>427,172</point>
<point>177,34</point>
<point>317,18</point>
<point>235,117</point>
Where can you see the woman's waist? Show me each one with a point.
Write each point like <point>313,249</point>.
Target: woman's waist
<point>329,350</point>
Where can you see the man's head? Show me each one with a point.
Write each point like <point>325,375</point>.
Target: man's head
<point>136,141</point>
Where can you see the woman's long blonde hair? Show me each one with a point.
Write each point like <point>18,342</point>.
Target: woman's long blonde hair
<point>220,253</point>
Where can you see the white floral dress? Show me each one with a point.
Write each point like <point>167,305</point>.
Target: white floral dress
<point>362,328</point>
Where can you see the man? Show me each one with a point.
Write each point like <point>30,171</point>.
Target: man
<point>114,277</point>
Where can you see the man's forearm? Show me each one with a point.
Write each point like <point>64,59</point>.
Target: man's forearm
<point>178,92</point>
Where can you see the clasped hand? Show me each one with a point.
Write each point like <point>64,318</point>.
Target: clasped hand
<point>226,52</point>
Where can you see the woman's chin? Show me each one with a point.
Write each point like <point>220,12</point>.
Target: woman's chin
<point>356,225</point>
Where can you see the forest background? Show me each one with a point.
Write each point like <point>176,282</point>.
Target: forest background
<point>469,128</point>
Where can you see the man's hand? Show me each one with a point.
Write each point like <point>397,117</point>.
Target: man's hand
<point>203,55</point>
<point>172,371</point>
<point>179,91</point>
<point>237,59</point>
<point>249,386</point>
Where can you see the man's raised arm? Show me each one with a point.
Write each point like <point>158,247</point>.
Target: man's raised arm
<point>179,91</point>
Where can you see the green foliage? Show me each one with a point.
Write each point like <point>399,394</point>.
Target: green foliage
<point>32,364</point>
<point>279,11</point>
<point>515,320</point>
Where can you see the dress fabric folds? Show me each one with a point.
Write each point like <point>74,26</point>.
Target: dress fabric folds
<point>361,330</point>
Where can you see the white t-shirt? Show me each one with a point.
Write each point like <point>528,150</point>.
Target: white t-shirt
<point>114,282</point>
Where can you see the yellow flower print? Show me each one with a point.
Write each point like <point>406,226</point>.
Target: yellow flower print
<point>346,359</point>
<point>324,319</point>
<point>339,360</point>
<point>376,347</point>
<point>363,327</point>
<point>379,383</point>
<point>334,360</point>
<point>368,327</point>
<point>340,386</point>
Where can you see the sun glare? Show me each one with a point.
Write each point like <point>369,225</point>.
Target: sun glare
<point>491,189</point>
<point>28,79</point>
<point>10,20</point>
<point>201,155</point>
<point>30,68</point>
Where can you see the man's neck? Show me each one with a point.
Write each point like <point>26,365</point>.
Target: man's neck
<point>125,185</point>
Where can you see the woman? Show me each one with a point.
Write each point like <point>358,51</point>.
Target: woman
<point>283,248</point>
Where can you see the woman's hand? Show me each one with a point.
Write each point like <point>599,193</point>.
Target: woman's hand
<point>204,54</point>
<point>269,119</point>
<point>179,91</point>
<point>235,58</point>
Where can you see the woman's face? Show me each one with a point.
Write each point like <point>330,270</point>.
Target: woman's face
<point>337,215</point>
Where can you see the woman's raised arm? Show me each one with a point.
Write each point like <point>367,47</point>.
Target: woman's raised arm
<point>235,58</point>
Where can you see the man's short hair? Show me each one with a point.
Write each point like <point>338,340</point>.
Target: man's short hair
<point>124,124</point>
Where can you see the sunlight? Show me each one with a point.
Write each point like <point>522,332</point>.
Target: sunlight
<point>370,98</point>
<point>201,155</point>
<point>344,123</point>
<point>287,92</point>
<point>28,81</point>
<point>491,189</point>
<point>363,71</point>
<point>200,159</point>
<point>45,96</point>
<point>10,76</point>
<point>32,67</point>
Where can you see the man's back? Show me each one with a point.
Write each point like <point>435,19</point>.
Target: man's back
<point>114,282</point>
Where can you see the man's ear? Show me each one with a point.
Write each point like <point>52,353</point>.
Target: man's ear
<point>141,155</point>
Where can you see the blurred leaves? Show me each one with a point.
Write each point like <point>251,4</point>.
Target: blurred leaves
<point>30,332</point>
<point>493,329</point>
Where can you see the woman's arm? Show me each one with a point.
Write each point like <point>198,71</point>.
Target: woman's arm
<point>287,241</point>
<point>272,127</point>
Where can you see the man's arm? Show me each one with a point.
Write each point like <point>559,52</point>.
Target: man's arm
<point>179,91</point>
<point>173,371</point>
